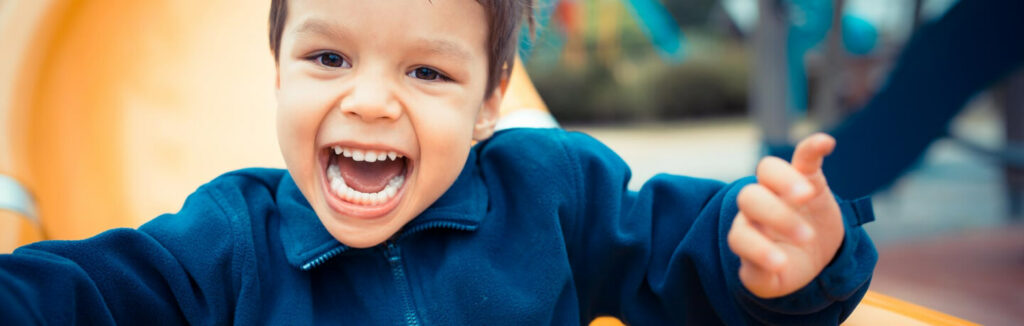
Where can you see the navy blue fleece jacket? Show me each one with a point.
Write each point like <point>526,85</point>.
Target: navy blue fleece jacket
<point>538,229</point>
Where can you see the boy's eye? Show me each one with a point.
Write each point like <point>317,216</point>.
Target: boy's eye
<point>425,73</point>
<point>332,60</point>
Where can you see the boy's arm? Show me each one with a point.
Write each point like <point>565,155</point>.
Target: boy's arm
<point>127,276</point>
<point>661,256</point>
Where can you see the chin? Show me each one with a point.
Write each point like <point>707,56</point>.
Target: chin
<point>360,232</point>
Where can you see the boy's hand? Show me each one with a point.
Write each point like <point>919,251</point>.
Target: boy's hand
<point>789,225</point>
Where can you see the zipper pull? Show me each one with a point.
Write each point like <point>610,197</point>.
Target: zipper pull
<point>393,254</point>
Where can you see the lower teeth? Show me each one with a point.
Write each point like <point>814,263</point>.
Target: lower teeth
<point>338,186</point>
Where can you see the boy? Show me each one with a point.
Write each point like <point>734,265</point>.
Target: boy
<point>386,215</point>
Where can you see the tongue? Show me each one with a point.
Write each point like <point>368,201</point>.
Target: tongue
<point>369,177</point>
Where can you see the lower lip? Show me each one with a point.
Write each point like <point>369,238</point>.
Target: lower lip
<point>358,211</point>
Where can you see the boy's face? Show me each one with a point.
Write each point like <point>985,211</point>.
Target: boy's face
<point>398,85</point>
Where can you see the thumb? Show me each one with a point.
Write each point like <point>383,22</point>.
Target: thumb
<point>809,155</point>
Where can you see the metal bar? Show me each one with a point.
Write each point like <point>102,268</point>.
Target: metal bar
<point>769,93</point>
<point>14,197</point>
<point>1013,105</point>
<point>826,101</point>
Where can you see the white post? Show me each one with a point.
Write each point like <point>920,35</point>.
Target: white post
<point>826,101</point>
<point>769,97</point>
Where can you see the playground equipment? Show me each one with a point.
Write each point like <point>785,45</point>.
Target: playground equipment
<point>112,112</point>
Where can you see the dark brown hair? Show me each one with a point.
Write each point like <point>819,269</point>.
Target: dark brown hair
<point>504,17</point>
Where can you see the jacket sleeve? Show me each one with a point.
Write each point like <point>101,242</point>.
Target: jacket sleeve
<point>175,269</point>
<point>659,256</point>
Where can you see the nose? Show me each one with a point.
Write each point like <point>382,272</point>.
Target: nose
<point>371,99</point>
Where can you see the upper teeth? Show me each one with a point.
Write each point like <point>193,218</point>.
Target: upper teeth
<point>359,155</point>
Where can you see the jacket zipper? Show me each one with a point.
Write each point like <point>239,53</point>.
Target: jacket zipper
<point>435,225</point>
<point>341,249</point>
<point>394,255</point>
<point>323,258</point>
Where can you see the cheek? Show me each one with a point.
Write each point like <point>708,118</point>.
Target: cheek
<point>447,128</point>
<point>445,137</point>
<point>299,112</point>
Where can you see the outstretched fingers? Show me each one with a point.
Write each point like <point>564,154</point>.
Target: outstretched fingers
<point>810,154</point>
<point>753,246</point>
<point>762,283</point>
<point>786,220</point>
<point>785,181</point>
<point>762,206</point>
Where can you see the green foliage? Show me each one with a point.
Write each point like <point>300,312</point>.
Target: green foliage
<point>701,88</point>
<point>690,13</point>
<point>645,89</point>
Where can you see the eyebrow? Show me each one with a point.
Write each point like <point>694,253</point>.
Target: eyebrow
<point>320,27</point>
<point>434,46</point>
<point>444,47</point>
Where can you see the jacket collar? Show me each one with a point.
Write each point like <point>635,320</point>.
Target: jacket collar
<point>307,243</point>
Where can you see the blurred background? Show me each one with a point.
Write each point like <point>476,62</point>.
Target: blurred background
<point>113,111</point>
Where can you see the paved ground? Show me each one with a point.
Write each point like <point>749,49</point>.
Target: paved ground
<point>942,231</point>
<point>975,274</point>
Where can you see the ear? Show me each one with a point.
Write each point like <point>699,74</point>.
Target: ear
<point>277,76</point>
<point>488,116</point>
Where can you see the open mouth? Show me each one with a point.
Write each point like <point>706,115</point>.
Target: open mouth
<point>364,183</point>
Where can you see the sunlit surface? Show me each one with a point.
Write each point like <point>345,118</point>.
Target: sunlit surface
<point>122,108</point>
